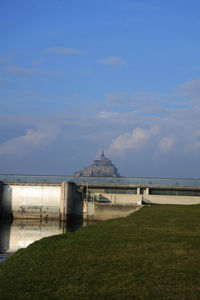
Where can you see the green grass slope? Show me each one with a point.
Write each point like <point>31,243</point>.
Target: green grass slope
<point>152,254</point>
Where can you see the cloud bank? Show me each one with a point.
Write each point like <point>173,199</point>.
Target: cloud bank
<point>63,51</point>
<point>134,140</point>
<point>153,135</point>
<point>18,71</point>
<point>112,61</point>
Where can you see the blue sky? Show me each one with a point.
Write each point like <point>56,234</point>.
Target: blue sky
<point>78,74</point>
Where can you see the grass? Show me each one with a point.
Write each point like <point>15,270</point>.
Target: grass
<point>152,254</point>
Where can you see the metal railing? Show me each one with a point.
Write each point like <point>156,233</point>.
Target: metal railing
<point>137,181</point>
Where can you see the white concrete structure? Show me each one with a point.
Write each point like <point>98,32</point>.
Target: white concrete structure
<point>105,211</point>
<point>56,197</point>
<point>32,201</point>
<point>165,199</point>
<point>40,201</point>
<point>118,198</point>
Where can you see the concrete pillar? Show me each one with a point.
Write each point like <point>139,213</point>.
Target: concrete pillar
<point>138,191</point>
<point>67,200</point>
<point>6,199</point>
<point>147,191</point>
<point>1,199</point>
<point>63,201</point>
<point>71,201</point>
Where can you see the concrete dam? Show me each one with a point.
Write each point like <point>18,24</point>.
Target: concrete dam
<point>60,197</point>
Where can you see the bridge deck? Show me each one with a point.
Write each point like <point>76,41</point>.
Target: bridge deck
<point>106,181</point>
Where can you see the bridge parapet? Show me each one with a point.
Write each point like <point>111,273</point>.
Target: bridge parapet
<point>120,181</point>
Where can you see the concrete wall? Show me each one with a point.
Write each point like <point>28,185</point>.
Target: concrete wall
<point>106,211</point>
<point>25,201</point>
<point>119,198</point>
<point>164,199</point>
<point>32,201</point>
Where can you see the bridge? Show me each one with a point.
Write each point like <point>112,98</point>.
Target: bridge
<point>56,197</point>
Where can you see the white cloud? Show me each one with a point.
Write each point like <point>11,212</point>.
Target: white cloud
<point>143,101</point>
<point>118,98</point>
<point>194,147</point>
<point>191,90</point>
<point>166,143</point>
<point>107,114</point>
<point>191,87</point>
<point>37,61</point>
<point>85,72</point>
<point>25,72</point>
<point>134,140</point>
<point>6,58</point>
<point>63,51</point>
<point>31,140</point>
<point>22,71</point>
<point>112,61</point>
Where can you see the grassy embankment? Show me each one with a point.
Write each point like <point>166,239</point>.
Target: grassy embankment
<point>152,254</point>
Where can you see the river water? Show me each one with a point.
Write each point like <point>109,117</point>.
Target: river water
<point>21,233</point>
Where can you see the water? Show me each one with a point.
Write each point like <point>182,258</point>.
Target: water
<point>3,257</point>
<point>21,233</point>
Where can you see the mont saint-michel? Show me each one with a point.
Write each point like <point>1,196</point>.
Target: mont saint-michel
<point>100,168</point>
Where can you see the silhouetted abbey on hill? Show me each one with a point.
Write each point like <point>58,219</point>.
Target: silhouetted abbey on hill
<point>102,167</point>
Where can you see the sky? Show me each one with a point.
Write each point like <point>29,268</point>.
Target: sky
<point>76,75</point>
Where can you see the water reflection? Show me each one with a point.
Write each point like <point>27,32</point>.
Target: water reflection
<point>21,233</point>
